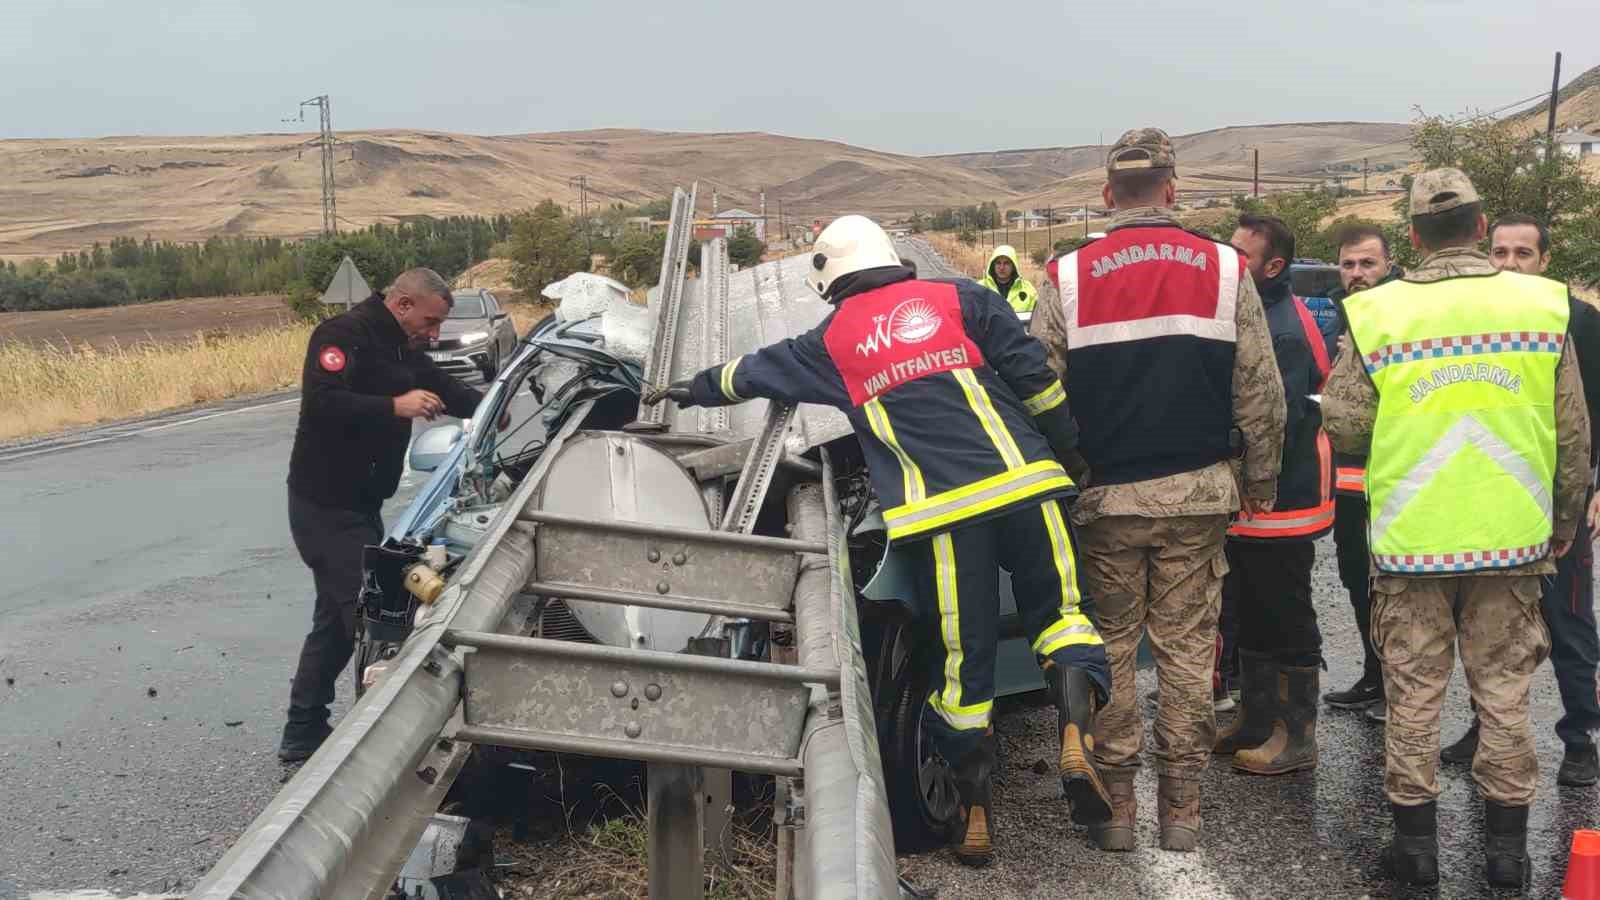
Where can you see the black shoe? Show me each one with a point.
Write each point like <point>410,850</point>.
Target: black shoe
<point>1360,695</point>
<point>1580,766</point>
<point>1505,845</point>
<point>1413,856</point>
<point>1461,752</point>
<point>974,777</point>
<point>301,739</point>
<point>1377,712</point>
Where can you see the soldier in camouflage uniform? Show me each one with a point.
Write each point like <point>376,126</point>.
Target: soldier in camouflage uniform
<point>1463,525</point>
<point>1163,344</point>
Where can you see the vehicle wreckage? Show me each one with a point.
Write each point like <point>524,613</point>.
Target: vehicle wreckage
<point>701,590</point>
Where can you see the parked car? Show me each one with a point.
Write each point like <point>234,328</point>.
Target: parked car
<point>477,338</point>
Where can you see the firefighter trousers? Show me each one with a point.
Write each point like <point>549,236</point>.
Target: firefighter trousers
<point>958,583</point>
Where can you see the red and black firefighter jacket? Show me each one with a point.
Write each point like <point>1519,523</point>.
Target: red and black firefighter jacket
<point>1304,508</point>
<point>951,399</point>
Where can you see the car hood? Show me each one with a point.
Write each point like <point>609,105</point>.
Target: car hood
<point>456,327</point>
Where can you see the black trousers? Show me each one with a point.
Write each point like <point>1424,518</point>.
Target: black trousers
<point>958,588</point>
<point>330,541</point>
<point>1267,598</point>
<point>1355,573</point>
<point>1568,606</point>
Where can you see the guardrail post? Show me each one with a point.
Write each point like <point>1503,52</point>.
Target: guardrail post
<point>716,784</point>
<point>676,842</point>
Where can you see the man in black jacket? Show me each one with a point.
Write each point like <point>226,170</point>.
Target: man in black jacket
<point>364,380</point>
<point>966,432</point>
<point>1363,263</point>
<point>1270,554</point>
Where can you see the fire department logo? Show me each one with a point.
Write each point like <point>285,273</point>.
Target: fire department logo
<point>331,358</point>
<point>914,321</point>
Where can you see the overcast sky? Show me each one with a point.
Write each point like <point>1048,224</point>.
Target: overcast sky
<point>915,77</point>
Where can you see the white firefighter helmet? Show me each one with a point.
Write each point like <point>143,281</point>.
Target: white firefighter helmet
<point>848,244</point>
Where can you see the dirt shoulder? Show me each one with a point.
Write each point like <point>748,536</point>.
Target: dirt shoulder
<point>164,322</point>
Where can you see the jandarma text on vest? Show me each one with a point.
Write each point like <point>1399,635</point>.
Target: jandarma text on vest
<point>1444,376</point>
<point>1148,253</point>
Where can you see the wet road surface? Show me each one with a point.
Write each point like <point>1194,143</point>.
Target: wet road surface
<point>154,609</point>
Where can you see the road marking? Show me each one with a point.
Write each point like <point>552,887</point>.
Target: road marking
<point>151,429</point>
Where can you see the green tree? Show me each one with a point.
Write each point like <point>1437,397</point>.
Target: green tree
<point>1509,169</point>
<point>545,247</point>
<point>636,257</point>
<point>745,249</point>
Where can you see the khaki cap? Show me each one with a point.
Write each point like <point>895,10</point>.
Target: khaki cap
<point>1141,148</point>
<point>1441,190</point>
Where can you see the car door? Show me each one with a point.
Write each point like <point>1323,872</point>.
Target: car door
<point>505,333</point>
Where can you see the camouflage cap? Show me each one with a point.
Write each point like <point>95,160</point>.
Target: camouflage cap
<point>1441,190</point>
<point>1141,148</point>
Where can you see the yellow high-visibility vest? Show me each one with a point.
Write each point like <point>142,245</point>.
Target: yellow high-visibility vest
<point>1464,444</point>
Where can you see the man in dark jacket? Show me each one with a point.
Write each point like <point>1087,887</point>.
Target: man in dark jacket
<point>1270,554</point>
<point>1364,263</point>
<point>365,379</point>
<point>965,430</point>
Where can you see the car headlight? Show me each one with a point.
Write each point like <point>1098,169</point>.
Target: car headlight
<point>474,337</point>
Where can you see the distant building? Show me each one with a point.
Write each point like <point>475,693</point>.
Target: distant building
<point>1574,143</point>
<point>739,218</point>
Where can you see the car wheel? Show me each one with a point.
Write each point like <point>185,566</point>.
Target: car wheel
<point>922,790</point>
<point>492,367</point>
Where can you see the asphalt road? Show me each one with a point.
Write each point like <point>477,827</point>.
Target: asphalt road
<point>153,612</point>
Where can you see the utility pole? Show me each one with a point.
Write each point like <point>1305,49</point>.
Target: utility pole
<point>330,208</point>
<point>1363,174</point>
<point>582,183</point>
<point>1555,95</point>
<point>1255,189</point>
<point>1086,221</point>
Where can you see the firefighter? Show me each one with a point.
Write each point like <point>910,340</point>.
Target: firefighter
<point>1461,387</point>
<point>1166,355</point>
<point>1003,276</point>
<point>1268,585</point>
<point>364,381</point>
<point>966,432</point>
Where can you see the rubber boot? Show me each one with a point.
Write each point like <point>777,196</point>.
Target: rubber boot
<point>1413,856</point>
<point>974,777</point>
<point>1461,752</point>
<point>1505,845</point>
<point>1074,694</point>
<point>1117,833</point>
<point>1178,812</point>
<point>1293,744</point>
<point>1252,724</point>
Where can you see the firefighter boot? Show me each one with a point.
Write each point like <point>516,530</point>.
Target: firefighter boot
<point>1073,693</point>
<point>1178,812</point>
<point>1413,857</point>
<point>1293,743</point>
<point>1117,833</point>
<point>974,777</point>
<point>1252,723</point>
<point>1505,845</point>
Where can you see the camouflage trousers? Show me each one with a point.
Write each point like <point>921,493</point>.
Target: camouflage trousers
<point>1416,625</point>
<point>1164,577</point>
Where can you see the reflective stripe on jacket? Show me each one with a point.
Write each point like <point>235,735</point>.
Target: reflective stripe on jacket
<point>1020,293</point>
<point>1461,472</point>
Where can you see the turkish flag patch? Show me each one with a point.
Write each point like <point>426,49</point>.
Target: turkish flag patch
<point>331,358</point>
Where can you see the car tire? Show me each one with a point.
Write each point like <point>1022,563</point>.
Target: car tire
<point>921,786</point>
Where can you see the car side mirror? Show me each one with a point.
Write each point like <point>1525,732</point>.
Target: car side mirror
<point>432,446</point>
<point>500,315</point>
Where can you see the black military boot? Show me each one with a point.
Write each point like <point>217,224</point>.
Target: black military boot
<point>1252,724</point>
<point>974,777</point>
<point>1292,746</point>
<point>1461,752</point>
<point>1505,845</point>
<point>1580,766</point>
<point>1413,857</point>
<point>1073,693</point>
